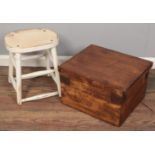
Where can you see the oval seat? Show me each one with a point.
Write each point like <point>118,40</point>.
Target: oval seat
<point>27,40</point>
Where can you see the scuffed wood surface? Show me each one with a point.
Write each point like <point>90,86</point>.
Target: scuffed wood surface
<point>50,114</point>
<point>106,67</point>
<point>104,83</point>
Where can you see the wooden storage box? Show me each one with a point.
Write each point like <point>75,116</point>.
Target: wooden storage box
<point>104,83</point>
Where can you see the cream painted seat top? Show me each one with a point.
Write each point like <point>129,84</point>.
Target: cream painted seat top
<point>31,38</point>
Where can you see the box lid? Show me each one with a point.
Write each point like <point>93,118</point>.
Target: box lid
<point>107,66</point>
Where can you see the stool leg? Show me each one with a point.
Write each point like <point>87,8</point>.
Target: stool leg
<point>18,78</point>
<point>47,61</point>
<point>55,65</point>
<point>10,67</point>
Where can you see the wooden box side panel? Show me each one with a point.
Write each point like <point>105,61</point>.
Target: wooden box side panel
<point>134,96</point>
<point>75,96</point>
<point>96,101</point>
<point>103,91</point>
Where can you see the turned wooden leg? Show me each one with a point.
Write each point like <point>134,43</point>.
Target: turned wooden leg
<point>55,65</point>
<point>18,79</point>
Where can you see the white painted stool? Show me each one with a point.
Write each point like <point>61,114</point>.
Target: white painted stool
<point>22,42</point>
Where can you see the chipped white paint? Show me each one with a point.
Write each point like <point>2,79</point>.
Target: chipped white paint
<point>32,62</point>
<point>36,74</point>
<point>18,78</point>
<point>16,57</point>
<point>41,96</point>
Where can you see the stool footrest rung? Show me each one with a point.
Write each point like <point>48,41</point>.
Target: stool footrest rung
<point>41,96</point>
<point>36,74</point>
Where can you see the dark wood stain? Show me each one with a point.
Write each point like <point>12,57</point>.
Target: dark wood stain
<point>102,77</point>
<point>97,64</point>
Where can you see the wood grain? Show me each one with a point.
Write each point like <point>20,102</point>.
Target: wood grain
<point>104,83</point>
<point>49,114</point>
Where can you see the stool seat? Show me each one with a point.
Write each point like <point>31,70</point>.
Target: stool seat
<point>26,40</point>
